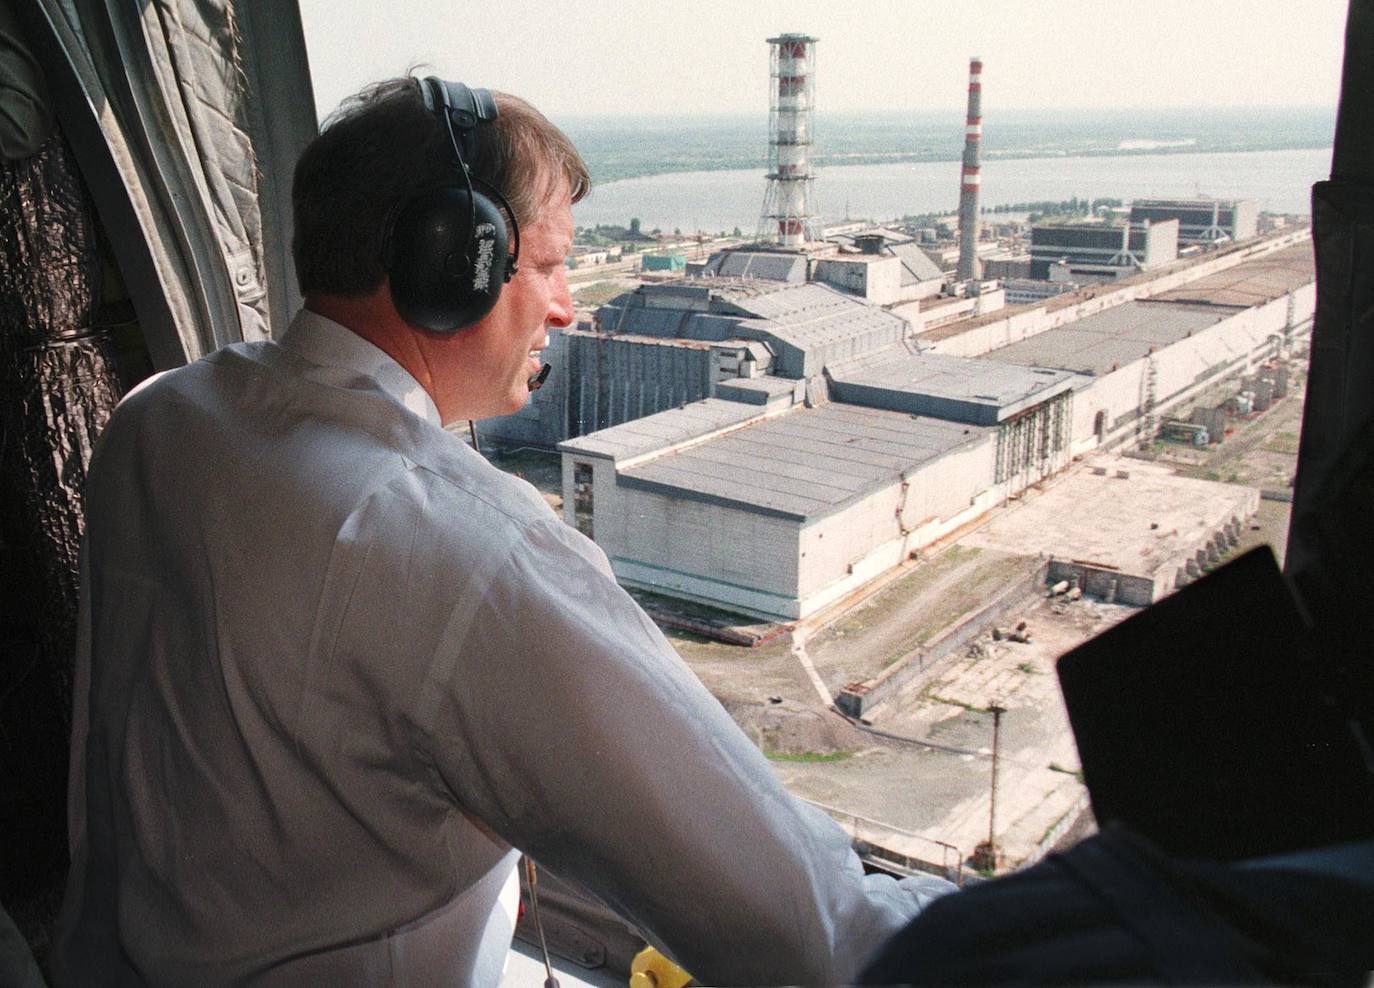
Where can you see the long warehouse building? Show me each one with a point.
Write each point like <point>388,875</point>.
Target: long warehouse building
<point>791,488</point>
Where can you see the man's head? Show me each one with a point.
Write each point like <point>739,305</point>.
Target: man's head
<point>381,148</point>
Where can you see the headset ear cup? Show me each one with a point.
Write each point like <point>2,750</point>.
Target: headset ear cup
<point>440,280</point>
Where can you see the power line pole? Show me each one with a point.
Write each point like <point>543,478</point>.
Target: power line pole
<point>985,854</point>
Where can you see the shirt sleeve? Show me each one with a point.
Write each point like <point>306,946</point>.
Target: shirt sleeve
<point>575,732</point>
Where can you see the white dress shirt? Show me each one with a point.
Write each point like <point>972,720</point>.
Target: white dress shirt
<point>334,666</point>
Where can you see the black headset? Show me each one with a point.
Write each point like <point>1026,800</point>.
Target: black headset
<point>447,253</point>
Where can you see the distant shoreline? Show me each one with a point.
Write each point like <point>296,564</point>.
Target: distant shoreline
<point>646,146</point>
<point>822,161</point>
<point>720,199</point>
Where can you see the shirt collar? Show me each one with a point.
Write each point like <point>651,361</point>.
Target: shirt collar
<point>325,343</point>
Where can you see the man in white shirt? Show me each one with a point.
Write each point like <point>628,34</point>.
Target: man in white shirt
<point>335,667</point>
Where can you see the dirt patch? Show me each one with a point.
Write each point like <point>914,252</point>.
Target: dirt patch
<point>791,732</point>
<point>740,675</point>
<point>707,622</point>
<point>911,611</point>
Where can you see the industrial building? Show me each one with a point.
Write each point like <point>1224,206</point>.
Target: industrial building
<point>838,442</point>
<point>1087,252</point>
<point>778,509</point>
<point>1150,355</point>
<point>1201,221</point>
<point>749,313</point>
<point>794,418</point>
<point>880,267</point>
<point>1027,291</point>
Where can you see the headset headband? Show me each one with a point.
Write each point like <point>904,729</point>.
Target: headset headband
<point>463,110</point>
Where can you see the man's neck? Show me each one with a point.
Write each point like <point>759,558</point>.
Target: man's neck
<point>375,319</point>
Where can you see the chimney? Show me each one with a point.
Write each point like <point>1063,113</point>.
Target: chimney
<point>789,217</point>
<point>969,268</point>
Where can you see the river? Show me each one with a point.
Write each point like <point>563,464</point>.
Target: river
<point>714,201</point>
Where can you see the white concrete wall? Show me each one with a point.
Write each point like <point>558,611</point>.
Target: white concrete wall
<point>1233,346</point>
<point>877,280</point>
<point>606,505</point>
<point>727,556</point>
<point>772,567</point>
<point>844,550</point>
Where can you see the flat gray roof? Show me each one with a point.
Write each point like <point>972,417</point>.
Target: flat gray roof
<point>805,463</point>
<point>1096,344</point>
<point>757,390</point>
<point>1253,282</point>
<point>663,429</point>
<point>994,391</point>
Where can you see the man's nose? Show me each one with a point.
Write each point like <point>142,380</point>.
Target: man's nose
<point>560,306</point>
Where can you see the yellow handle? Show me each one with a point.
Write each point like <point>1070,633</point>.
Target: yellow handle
<point>650,969</point>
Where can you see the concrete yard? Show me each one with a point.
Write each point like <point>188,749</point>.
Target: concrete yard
<point>1126,518</point>
<point>935,784</point>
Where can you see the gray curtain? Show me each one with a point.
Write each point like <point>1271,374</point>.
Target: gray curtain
<point>166,104</point>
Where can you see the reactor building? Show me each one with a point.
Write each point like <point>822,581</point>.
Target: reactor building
<point>831,441</point>
<point>1207,222</point>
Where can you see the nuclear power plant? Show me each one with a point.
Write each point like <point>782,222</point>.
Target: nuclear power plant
<point>779,424</point>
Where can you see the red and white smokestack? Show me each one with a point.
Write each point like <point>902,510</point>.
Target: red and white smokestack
<point>788,207</point>
<point>969,268</point>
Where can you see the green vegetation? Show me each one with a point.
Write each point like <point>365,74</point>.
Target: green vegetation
<point>1283,442</point>
<point>1063,209</point>
<point>971,708</point>
<point>601,292</point>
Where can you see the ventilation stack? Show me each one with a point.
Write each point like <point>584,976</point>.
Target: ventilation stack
<point>969,268</point>
<point>788,215</point>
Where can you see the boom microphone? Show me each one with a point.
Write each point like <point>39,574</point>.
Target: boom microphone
<point>536,381</point>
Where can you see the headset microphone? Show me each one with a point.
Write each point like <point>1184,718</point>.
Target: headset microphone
<point>536,381</point>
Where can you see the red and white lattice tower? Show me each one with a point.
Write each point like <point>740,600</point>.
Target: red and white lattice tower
<point>969,268</point>
<point>789,213</point>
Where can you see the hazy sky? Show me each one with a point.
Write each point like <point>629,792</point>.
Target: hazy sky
<point>704,56</point>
